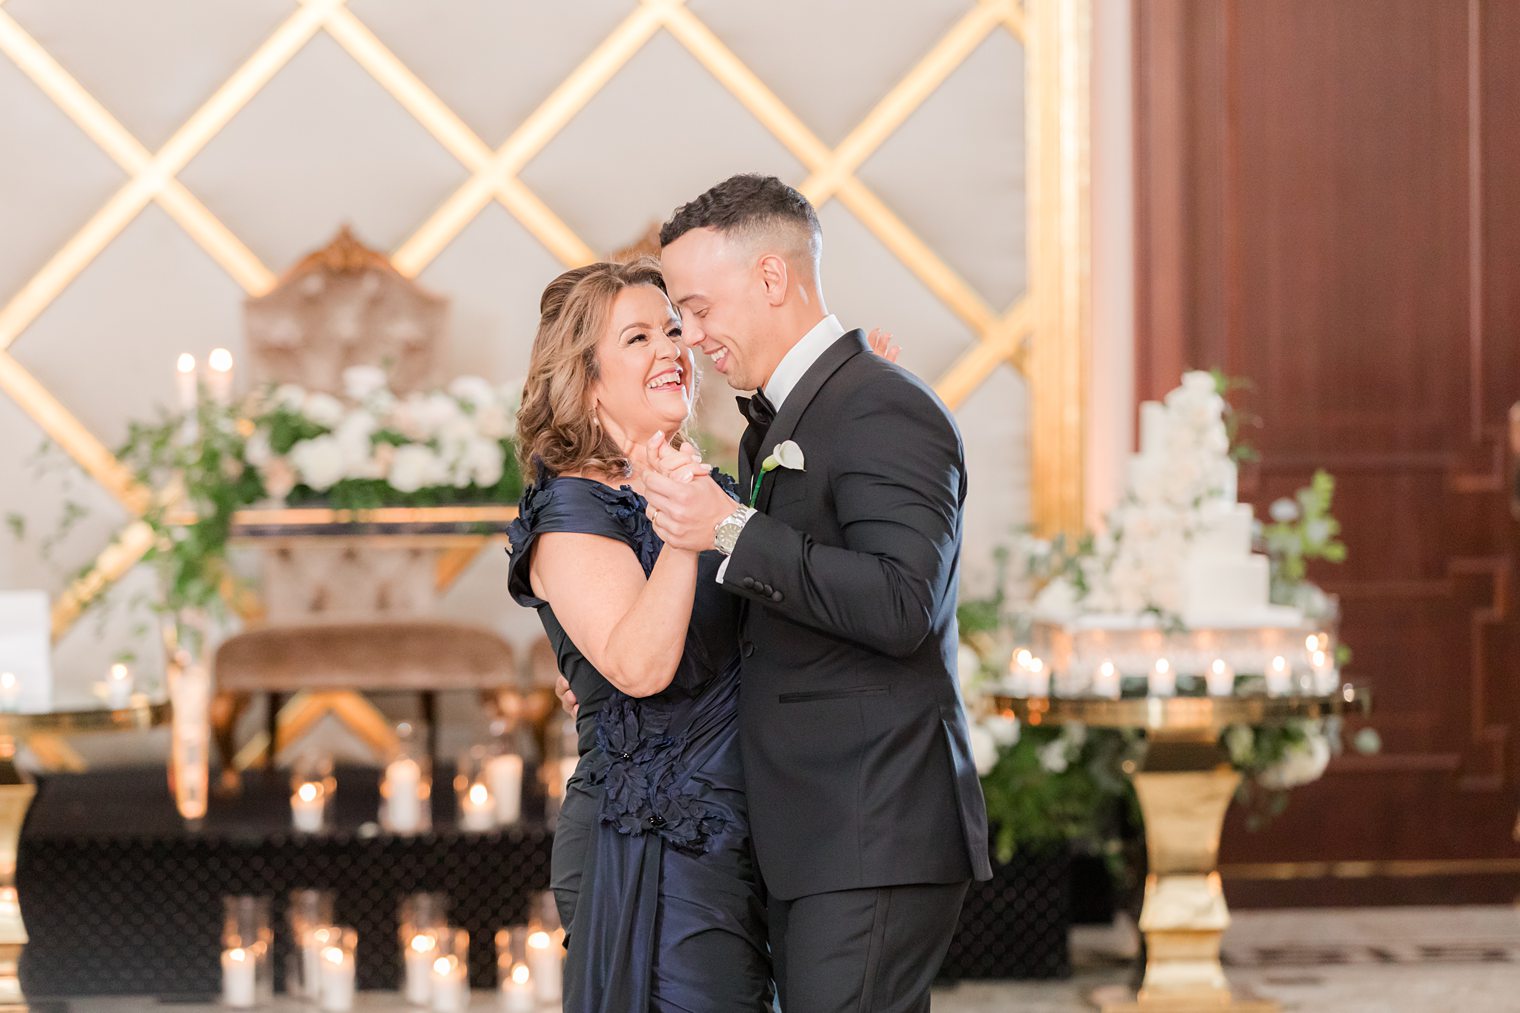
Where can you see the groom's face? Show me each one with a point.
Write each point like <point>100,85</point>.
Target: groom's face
<point>718,291</point>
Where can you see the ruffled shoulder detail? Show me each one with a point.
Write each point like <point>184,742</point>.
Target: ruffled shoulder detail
<point>727,483</point>
<point>569,504</point>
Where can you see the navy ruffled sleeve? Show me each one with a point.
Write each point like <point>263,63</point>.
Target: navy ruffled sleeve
<point>578,506</point>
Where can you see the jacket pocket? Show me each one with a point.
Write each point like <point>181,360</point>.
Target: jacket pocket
<point>834,694</point>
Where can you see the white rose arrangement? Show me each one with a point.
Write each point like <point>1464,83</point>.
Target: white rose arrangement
<point>374,447</point>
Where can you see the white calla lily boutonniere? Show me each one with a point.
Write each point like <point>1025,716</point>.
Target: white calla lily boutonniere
<point>783,455</point>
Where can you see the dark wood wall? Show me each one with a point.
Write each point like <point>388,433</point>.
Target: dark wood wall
<point>1328,203</point>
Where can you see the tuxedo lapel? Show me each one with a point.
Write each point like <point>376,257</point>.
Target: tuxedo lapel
<point>790,413</point>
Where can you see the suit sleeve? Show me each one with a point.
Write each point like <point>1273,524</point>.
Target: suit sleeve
<point>898,482</point>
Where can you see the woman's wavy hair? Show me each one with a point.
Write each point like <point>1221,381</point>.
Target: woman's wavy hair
<point>556,428</point>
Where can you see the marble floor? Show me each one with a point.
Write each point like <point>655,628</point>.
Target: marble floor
<point>1357,960</point>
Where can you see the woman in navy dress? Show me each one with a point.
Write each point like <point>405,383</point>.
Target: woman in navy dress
<point>652,866</point>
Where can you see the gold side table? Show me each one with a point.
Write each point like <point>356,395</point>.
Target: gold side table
<point>16,794</point>
<point>1184,786</point>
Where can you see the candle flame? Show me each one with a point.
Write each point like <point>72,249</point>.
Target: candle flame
<point>220,360</point>
<point>185,363</point>
<point>520,974</point>
<point>539,940</point>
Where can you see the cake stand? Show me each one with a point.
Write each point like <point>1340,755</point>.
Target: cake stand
<point>1184,786</point>
<point>16,794</point>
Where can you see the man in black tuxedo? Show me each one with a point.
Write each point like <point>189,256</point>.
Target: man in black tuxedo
<point>866,813</point>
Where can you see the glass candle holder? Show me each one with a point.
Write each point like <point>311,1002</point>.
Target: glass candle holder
<point>313,789</point>
<point>336,969</point>
<point>514,975</point>
<point>423,917</point>
<point>308,909</point>
<point>406,788</point>
<point>449,980</point>
<point>247,947</point>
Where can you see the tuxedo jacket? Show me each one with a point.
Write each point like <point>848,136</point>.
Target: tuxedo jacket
<point>857,758</point>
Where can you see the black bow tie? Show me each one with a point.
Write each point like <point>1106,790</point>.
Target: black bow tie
<point>758,409</point>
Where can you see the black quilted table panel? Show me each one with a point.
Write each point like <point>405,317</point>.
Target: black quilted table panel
<point>120,897</point>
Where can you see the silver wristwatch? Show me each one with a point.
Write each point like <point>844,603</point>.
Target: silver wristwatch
<point>726,534</point>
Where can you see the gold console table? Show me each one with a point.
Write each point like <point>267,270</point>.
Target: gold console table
<point>1184,786</point>
<point>16,794</point>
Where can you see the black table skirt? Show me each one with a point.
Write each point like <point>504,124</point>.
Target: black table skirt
<point>120,897</point>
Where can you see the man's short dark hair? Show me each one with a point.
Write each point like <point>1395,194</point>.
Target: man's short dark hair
<point>747,204</point>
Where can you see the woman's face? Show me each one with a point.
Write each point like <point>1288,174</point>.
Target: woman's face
<point>647,373</point>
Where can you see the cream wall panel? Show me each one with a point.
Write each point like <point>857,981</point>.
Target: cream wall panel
<point>491,61</point>
<point>994,423</point>
<point>106,347</point>
<point>658,134</point>
<point>493,275</point>
<point>954,172</point>
<point>830,62</point>
<point>150,62</point>
<point>52,178</point>
<point>868,287</point>
<point>36,491</point>
<point>320,145</point>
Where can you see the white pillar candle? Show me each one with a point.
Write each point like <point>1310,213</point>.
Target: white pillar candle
<point>450,986</point>
<point>1162,680</point>
<point>1036,678</point>
<point>219,377</point>
<point>504,775</point>
<point>337,986</point>
<point>419,967</point>
<point>1325,676</point>
<point>545,966</point>
<point>1220,678</point>
<point>403,795</point>
<point>10,692</point>
<point>238,978</point>
<point>1279,677</point>
<point>477,810</point>
<point>307,807</point>
<point>517,995</point>
<point>119,686</point>
<point>184,382</point>
<point>1106,680</point>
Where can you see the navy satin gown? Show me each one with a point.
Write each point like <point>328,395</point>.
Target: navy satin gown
<point>652,869</point>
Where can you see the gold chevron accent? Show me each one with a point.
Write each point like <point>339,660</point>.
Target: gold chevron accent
<point>1049,314</point>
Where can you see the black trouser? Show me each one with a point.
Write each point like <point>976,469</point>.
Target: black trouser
<point>863,951</point>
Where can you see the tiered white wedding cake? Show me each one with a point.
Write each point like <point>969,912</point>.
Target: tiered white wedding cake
<point>1172,582</point>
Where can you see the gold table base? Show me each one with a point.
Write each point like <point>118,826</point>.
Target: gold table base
<point>1184,788</point>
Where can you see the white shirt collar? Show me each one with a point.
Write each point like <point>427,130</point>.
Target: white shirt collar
<point>801,356</point>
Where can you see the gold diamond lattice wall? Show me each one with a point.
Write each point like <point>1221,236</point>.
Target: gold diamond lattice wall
<point>1053,33</point>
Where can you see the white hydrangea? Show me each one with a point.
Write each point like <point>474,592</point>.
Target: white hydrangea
<point>318,462</point>
<point>415,466</point>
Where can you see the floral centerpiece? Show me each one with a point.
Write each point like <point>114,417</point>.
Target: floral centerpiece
<point>366,448</point>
